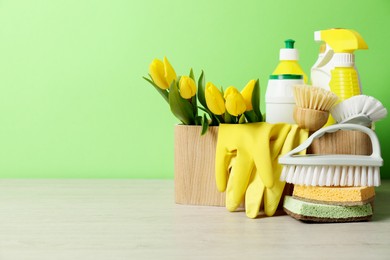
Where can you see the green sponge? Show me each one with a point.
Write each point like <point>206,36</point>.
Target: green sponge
<point>315,212</point>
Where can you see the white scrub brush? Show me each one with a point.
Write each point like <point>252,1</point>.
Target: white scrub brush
<point>334,169</point>
<point>361,109</point>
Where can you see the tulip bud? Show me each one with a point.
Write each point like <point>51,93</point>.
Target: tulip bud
<point>187,87</point>
<point>156,70</point>
<point>235,103</point>
<point>162,73</point>
<point>214,99</point>
<point>170,74</point>
<point>230,90</point>
<point>247,94</point>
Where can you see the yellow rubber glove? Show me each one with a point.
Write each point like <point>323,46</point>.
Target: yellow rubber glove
<point>244,143</point>
<point>256,188</point>
<point>249,153</point>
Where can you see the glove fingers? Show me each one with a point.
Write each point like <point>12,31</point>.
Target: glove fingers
<point>278,137</point>
<point>254,195</point>
<point>223,156</point>
<point>272,197</point>
<point>261,154</point>
<point>223,163</point>
<point>271,142</point>
<point>238,180</point>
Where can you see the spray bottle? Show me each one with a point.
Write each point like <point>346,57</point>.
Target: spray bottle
<point>338,55</point>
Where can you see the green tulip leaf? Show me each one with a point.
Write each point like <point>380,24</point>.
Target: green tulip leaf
<point>251,116</point>
<point>164,93</point>
<point>205,124</point>
<point>214,119</point>
<point>256,101</point>
<point>192,76</point>
<point>180,107</point>
<point>201,90</point>
<point>194,104</point>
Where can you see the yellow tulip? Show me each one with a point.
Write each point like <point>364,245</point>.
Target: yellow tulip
<point>156,70</point>
<point>247,94</point>
<point>230,90</point>
<point>170,74</point>
<point>162,73</point>
<point>214,99</point>
<point>235,103</point>
<point>187,87</point>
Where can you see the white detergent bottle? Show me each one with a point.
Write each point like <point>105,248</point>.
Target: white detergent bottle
<point>279,98</point>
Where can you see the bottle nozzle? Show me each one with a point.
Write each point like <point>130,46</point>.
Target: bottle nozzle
<point>289,53</point>
<point>342,40</point>
<point>289,43</point>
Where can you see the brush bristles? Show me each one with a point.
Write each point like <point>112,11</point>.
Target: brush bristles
<point>359,105</point>
<point>331,175</point>
<point>314,98</point>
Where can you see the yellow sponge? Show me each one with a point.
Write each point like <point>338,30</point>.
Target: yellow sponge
<point>335,195</point>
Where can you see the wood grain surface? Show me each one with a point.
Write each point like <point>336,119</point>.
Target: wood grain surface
<point>138,219</point>
<point>342,142</point>
<point>195,167</point>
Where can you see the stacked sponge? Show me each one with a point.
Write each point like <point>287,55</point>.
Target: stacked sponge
<point>330,204</point>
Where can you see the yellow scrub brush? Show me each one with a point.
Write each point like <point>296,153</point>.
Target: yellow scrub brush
<point>333,170</point>
<point>361,109</point>
<point>312,106</point>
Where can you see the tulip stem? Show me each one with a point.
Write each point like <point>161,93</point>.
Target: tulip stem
<point>220,119</point>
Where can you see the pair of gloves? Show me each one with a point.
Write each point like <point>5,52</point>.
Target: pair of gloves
<point>247,163</point>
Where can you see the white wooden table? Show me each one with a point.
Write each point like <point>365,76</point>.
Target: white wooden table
<point>137,219</point>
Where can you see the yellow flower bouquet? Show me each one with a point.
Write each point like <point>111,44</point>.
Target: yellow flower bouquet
<point>182,94</point>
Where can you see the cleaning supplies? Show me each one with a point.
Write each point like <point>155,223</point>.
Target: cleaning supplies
<point>321,71</point>
<point>279,96</point>
<point>330,204</point>
<point>343,196</point>
<point>245,171</point>
<point>317,212</point>
<point>361,109</point>
<point>312,106</point>
<point>337,201</point>
<point>333,170</point>
<point>288,64</point>
<point>344,80</point>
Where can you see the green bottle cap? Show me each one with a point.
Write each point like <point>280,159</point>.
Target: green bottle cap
<point>289,43</point>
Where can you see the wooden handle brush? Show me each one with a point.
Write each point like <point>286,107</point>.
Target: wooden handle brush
<point>312,106</point>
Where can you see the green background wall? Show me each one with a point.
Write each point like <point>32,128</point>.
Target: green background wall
<point>73,103</point>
